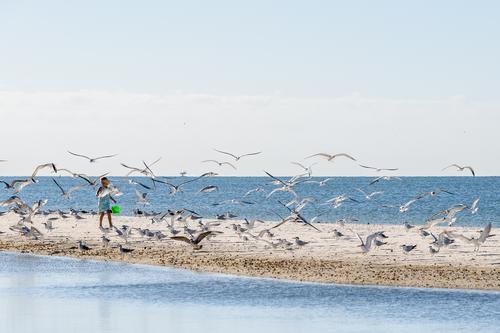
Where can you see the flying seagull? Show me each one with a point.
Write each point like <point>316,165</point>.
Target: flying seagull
<point>67,194</point>
<point>330,158</point>
<point>219,163</point>
<point>92,159</point>
<point>194,242</point>
<point>483,235</point>
<point>237,157</point>
<point>377,169</point>
<point>461,168</point>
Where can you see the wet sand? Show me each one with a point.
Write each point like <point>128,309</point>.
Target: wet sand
<point>324,259</point>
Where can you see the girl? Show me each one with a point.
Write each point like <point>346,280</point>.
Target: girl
<point>104,196</point>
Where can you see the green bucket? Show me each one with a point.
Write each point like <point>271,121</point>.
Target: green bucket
<point>115,209</point>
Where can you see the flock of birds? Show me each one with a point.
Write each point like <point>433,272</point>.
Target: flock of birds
<point>178,223</point>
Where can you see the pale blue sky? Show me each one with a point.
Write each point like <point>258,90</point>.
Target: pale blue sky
<point>409,49</point>
<point>409,84</point>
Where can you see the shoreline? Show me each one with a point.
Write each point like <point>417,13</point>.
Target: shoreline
<point>325,259</point>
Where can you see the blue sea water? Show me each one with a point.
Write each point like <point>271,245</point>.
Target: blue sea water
<point>383,209</point>
<point>50,294</point>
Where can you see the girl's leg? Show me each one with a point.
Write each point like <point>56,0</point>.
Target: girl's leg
<point>109,219</point>
<point>101,217</point>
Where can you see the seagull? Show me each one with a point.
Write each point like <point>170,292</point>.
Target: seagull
<point>376,180</point>
<point>337,201</point>
<point>92,159</point>
<point>71,173</point>
<point>48,225</point>
<point>83,247</point>
<point>405,207</point>
<point>408,226</point>
<point>306,169</point>
<point>195,243</point>
<point>209,189</point>
<point>124,250</point>
<point>461,168</point>
<point>378,169</point>
<point>92,182</point>
<point>483,235</point>
<point>408,248</point>
<point>255,190</point>
<point>366,245</point>
<point>105,241</point>
<point>368,196</point>
<point>134,182</point>
<point>44,166</point>
<point>337,233</point>
<point>433,250</point>
<point>434,193</point>
<point>320,183</point>
<point>287,186</point>
<point>20,184</point>
<point>474,208</point>
<point>219,163</point>
<point>7,185</point>
<point>146,171</point>
<point>67,194</point>
<point>141,198</point>
<point>299,242</point>
<point>237,157</point>
<point>330,158</point>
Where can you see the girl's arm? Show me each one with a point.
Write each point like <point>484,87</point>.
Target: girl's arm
<point>112,199</point>
<point>98,192</point>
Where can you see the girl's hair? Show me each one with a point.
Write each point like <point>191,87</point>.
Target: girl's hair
<point>103,179</point>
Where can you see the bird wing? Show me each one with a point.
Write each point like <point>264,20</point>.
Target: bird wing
<point>226,153</point>
<point>327,156</point>
<point>129,167</point>
<point>452,165</point>
<point>156,161</point>
<point>277,179</point>
<point>202,236</point>
<point>79,155</point>
<point>60,187</point>
<point>300,165</point>
<point>105,156</point>
<point>367,167</point>
<point>182,239</point>
<point>485,233</point>
<point>251,154</point>
<point>230,164</point>
<point>344,155</point>
<point>375,180</point>
<point>43,166</point>
<point>471,170</point>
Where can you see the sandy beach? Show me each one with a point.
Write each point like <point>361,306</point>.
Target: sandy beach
<point>324,259</point>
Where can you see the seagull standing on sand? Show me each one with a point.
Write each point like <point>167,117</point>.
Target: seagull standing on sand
<point>408,248</point>
<point>83,247</point>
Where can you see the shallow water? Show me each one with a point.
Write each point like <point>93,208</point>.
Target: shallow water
<point>396,193</point>
<point>48,294</point>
